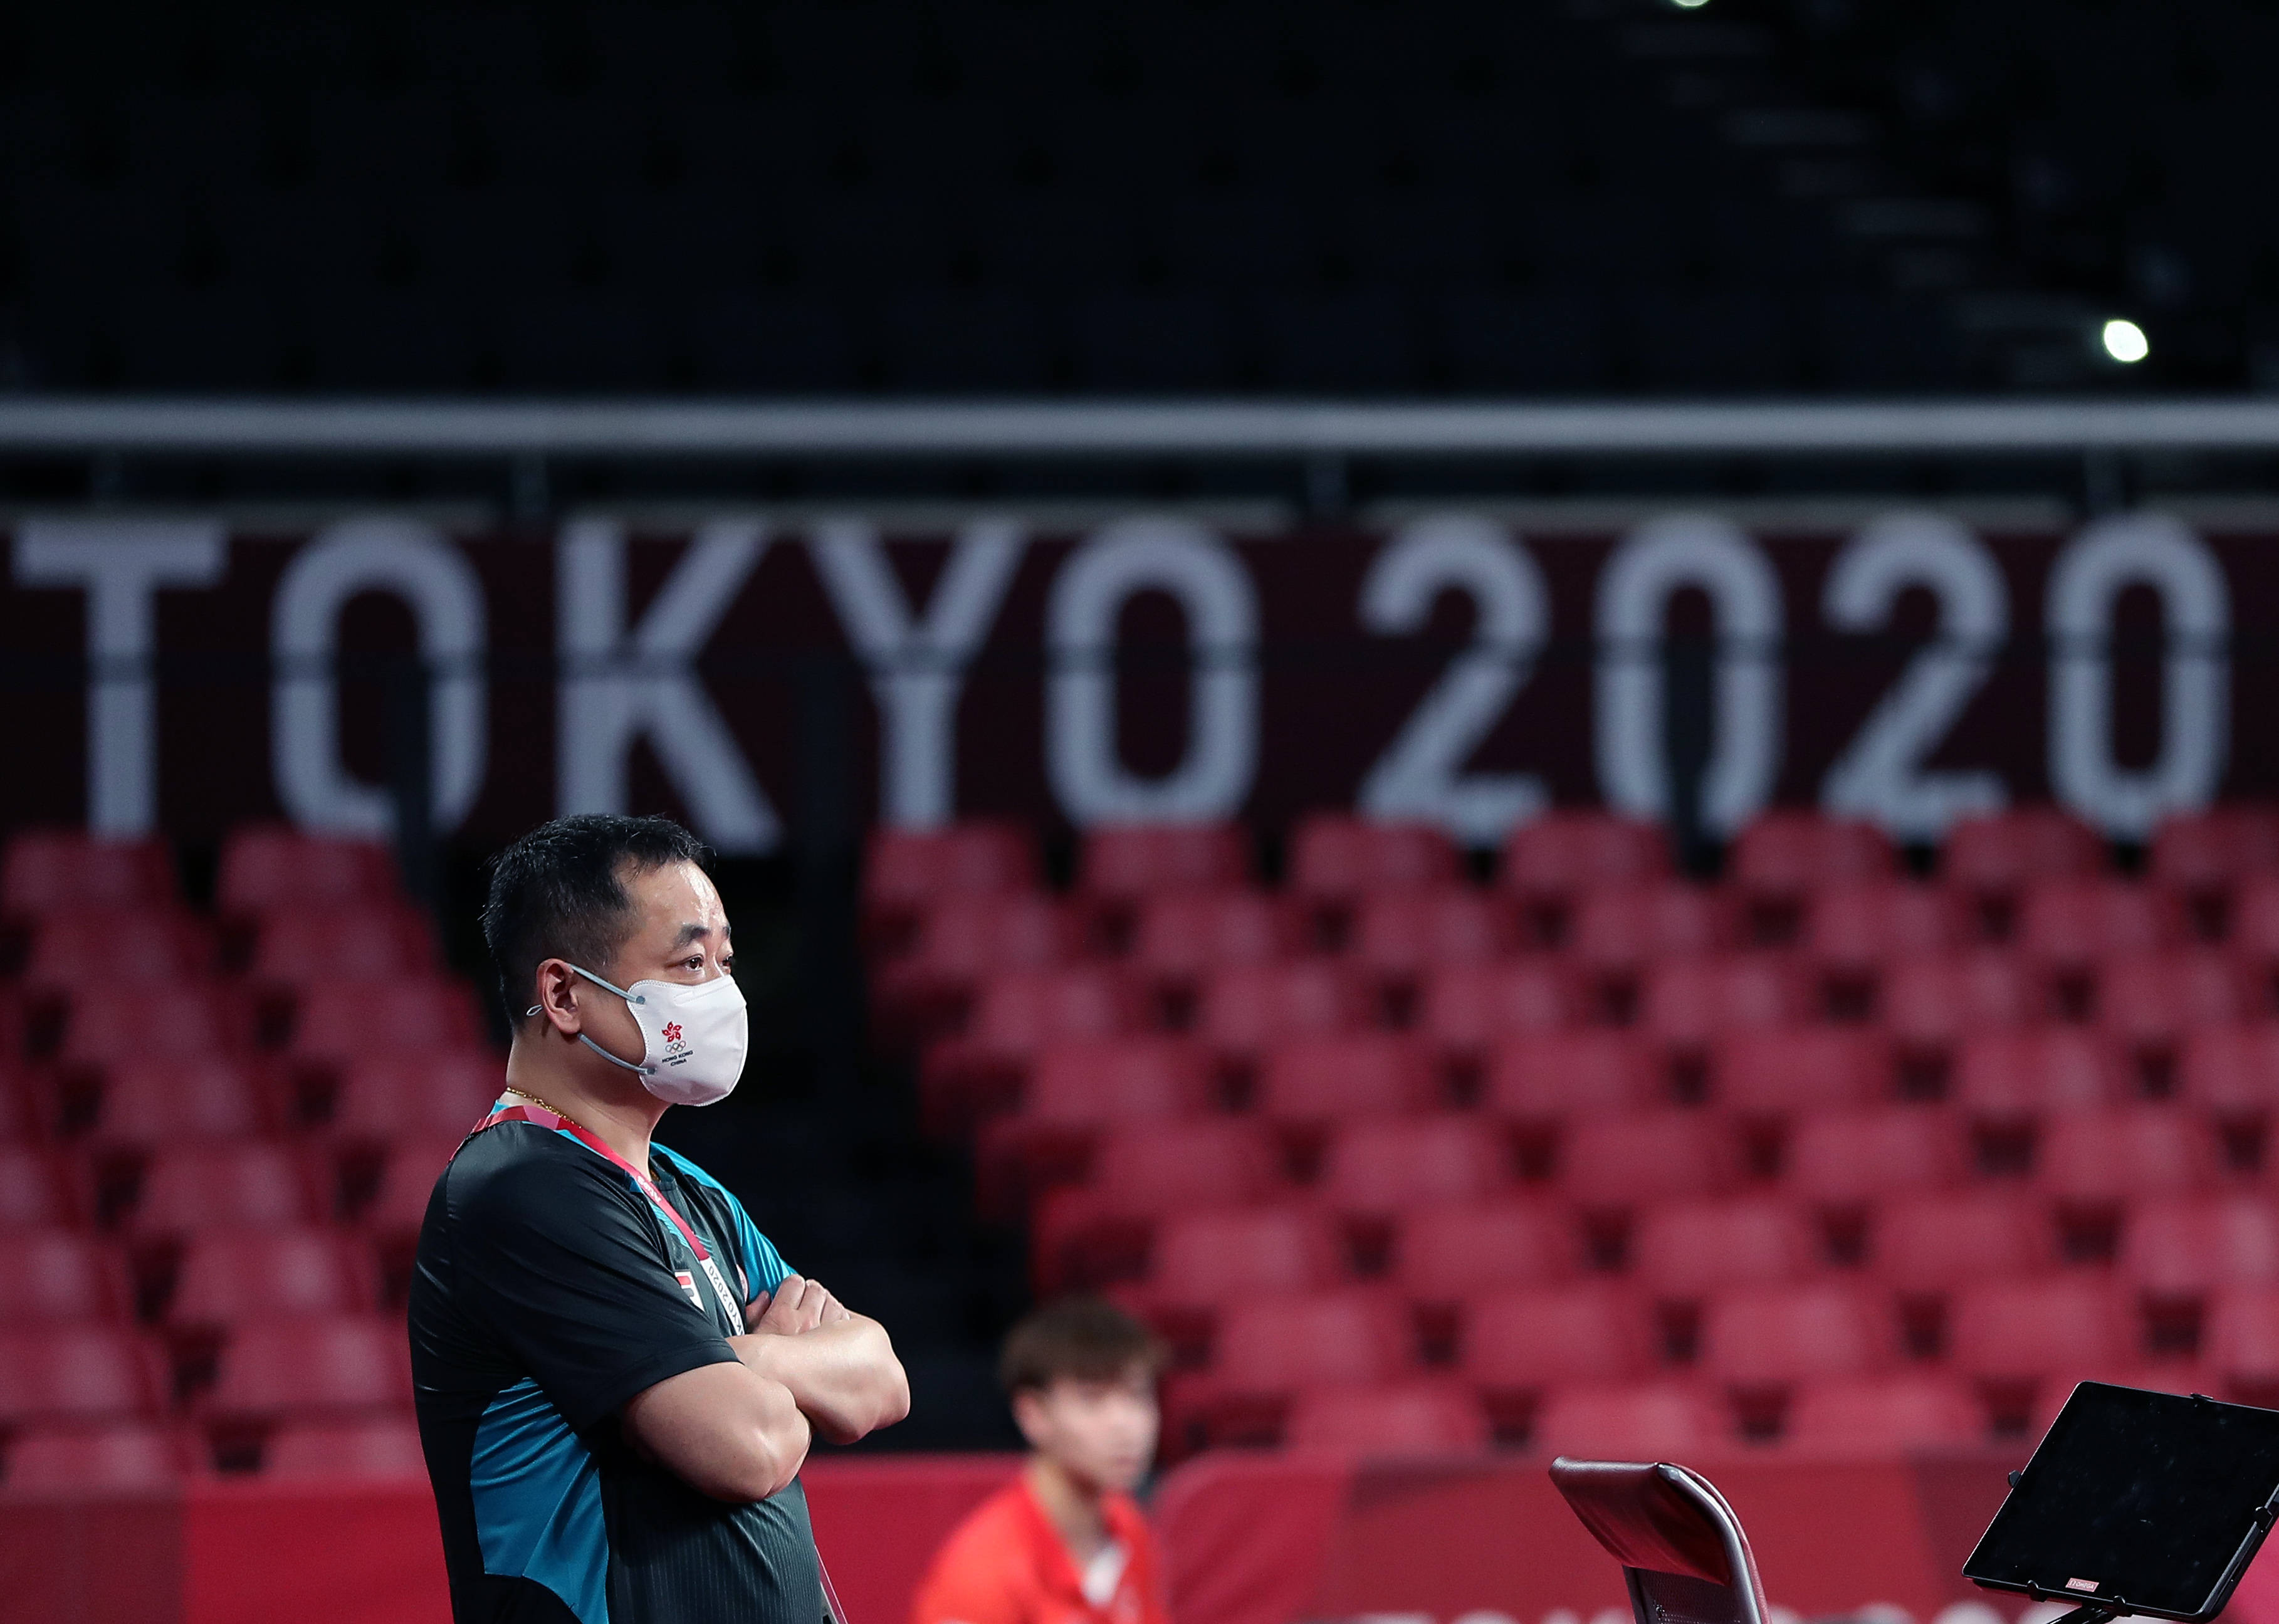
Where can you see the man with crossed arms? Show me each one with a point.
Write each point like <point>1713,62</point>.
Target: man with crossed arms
<point>617,1376</point>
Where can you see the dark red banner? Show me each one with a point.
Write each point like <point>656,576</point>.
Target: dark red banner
<point>175,675</point>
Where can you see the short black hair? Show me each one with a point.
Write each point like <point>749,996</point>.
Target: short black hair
<point>1078,1338</point>
<point>558,892</point>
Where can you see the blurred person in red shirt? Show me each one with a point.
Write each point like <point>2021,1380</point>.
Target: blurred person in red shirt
<point>1064,1542</point>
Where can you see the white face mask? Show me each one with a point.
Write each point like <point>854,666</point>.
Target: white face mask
<point>696,1036</point>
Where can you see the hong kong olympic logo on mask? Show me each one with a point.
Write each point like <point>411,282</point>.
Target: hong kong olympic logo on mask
<point>674,1049</point>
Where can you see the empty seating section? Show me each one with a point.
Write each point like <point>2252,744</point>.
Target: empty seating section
<point>217,1132</point>
<point>1406,1153</point>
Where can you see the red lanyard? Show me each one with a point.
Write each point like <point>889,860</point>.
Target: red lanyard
<point>562,1124</point>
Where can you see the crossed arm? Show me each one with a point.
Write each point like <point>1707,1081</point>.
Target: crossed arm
<point>838,1366</point>
<point>742,1431</point>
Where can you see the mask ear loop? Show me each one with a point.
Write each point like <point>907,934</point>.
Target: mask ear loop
<point>637,1070</point>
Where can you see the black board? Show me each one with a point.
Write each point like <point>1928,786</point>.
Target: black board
<point>2138,1502</point>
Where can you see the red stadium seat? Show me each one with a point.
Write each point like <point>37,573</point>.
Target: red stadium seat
<point>1516,1344</point>
<point>1848,1159</point>
<point>2211,851</point>
<point>2001,851</point>
<point>66,871</point>
<point>1687,1249</point>
<point>19,1120</point>
<point>1787,853</point>
<point>2013,1334</point>
<point>1422,1416</point>
<point>1269,1349</point>
<point>2005,1080</point>
<point>268,866</point>
<point>906,869</point>
<point>1125,862</point>
<point>1208,1259</point>
<point>2075,922</point>
<point>2255,919</point>
<point>1324,1079</point>
<point>33,1193</point>
<point>383,1451</point>
<point>1074,1090</point>
<point>342,942</point>
<point>1864,925</point>
<point>76,1373</point>
<point>1540,1081</point>
<point>343,1022</point>
<point>1690,1000</point>
<point>1931,1004</point>
<point>117,1459</point>
<point>1473,1005</point>
<point>1563,852</point>
<point>1630,1159</point>
<point>1162,1168</point>
<point>962,938</point>
<point>194,1187</point>
<point>961,941</point>
<point>1335,858</point>
<point>2178,1250</point>
<point>1445,1253</point>
<point>392,1097</point>
<point>398,1204</point>
<point>1024,1011</point>
<point>1931,1244</point>
<point>1623,929</point>
<point>2241,1343</point>
<point>2152,1001</point>
<point>1181,935</point>
<point>1778,1075</point>
<point>141,946</point>
<point>230,1275</point>
<point>1019,1015</point>
<point>2104,1159</point>
<point>1097,1082</point>
<point>330,1364</point>
<point>1761,1337</point>
<point>1142,1172</point>
<point>1655,1420</point>
<point>1250,1008</point>
<point>2231,1071</point>
<point>1405,932</point>
<point>154,1102</point>
<point>115,1022</point>
<point>1885,1414</point>
<point>1377,1169</point>
<point>1277,1344</point>
<point>54,1276</point>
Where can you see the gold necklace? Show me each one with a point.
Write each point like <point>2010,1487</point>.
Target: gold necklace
<point>543,1106</point>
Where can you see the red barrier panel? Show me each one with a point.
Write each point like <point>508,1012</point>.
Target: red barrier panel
<point>1268,1539</point>
<point>877,1522</point>
<point>346,1553</point>
<point>1250,1539</point>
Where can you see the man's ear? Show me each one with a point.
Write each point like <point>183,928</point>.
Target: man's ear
<point>556,997</point>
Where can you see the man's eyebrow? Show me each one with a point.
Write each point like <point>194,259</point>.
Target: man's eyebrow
<point>689,933</point>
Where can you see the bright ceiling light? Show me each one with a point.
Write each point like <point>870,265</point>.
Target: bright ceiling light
<point>1689,5</point>
<point>2125,341</point>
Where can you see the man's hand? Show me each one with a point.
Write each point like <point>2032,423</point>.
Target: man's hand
<point>794,1308</point>
<point>840,1366</point>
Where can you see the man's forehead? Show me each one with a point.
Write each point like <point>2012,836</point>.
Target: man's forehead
<point>680,896</point>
